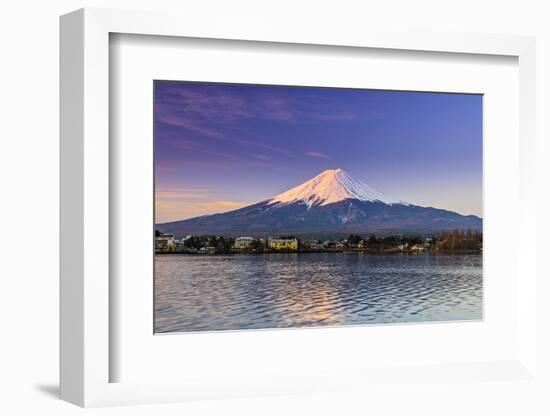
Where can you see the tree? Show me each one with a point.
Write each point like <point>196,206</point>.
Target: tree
<point>390,240</point>
<point>413,239</point>
<point>354,239</point>
<point>457,239</point>
<point>372,240</point>
<point>220,247</point>
<point>193,242</point>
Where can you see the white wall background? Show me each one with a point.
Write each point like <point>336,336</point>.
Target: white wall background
<point>29,204</point>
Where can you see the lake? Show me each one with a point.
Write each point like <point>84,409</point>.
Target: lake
<point>233,292</point>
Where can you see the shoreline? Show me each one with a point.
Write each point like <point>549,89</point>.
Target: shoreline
<point>369,252</point>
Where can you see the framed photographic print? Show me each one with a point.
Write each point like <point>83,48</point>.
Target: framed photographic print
<point>275,212</point>
<point>235,249</point>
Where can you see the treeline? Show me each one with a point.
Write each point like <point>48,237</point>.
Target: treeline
<point>390,241</point>
<point>220,243</point>
<point>457,240</point>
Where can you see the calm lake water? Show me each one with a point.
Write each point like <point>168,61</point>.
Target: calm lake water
<point>210,293</point>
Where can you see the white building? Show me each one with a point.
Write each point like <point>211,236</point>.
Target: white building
<point>243,243</point>
<point>164,242</point>
<point>313,244</point>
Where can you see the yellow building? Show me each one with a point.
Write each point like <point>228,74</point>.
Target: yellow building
<point>282,243</point>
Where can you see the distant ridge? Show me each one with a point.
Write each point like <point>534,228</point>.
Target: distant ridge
<point>330,204</point>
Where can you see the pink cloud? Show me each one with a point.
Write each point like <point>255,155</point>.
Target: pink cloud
<point>180,193</point>
<point>184,144</point>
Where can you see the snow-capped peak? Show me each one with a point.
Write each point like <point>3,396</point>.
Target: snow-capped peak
<point>332,185</point>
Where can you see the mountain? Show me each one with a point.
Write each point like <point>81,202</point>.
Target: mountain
<point>331,204</point>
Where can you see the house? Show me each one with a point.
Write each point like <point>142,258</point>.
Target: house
<point>210,249</point>
<point>341,245</point>
<point>313,245</point>
<point>329,244</point>
<point>429,242</point>
<point>418,247</point>
<point>362,244</point>
<point>243,243</point>
<point>283,243</point>
<point>164,242</point>
<point>179,246</point>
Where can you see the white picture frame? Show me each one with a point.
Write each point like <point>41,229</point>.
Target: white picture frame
<point>85,209</point>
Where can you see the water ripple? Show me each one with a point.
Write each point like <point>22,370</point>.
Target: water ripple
<point>200,293</point>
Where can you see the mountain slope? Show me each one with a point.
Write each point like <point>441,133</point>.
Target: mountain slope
<point>331,204</point>
<point>330,186</point>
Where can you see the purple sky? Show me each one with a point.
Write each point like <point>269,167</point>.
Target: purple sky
<point>222,146</point>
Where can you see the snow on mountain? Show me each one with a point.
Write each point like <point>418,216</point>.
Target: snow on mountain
<point>329,205</point>
<point>330,186</point>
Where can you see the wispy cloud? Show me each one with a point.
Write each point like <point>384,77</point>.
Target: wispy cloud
<point>228,156</point>
<point>180,194</point>
<point>214,161</point>
<point>177,203</point>
<point>211,109</point>
<point>174,119</point>
<point>184,144</point>
<point>332,116</point>
<point>261,157</point>
<point>264,146</point>
<point>318,155</point>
